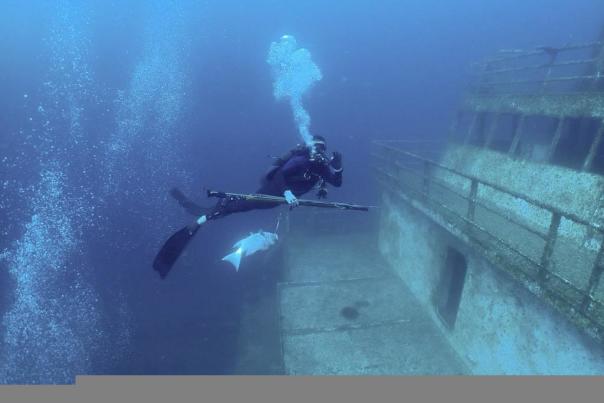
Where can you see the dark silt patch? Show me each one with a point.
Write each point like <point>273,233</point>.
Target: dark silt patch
<point>349,312</point>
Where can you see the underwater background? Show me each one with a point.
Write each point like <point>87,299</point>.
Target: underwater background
<point>107,105</point>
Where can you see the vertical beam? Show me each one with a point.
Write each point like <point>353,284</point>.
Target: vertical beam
<point>548,250</point>
<point>548,72</point>
<point>594,147</point>
<point>390,165</point>
<point>471,128</point>
<point>594,279</point>
<point>472,199</point>
<point>547,75</point>
<point>555,139</point>
<point>426,180</point>
<point>393,161</point>
<point>517,133</point>
<point>598,71</point>
<point>492,129</point>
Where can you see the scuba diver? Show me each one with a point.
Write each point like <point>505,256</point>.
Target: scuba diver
<point>292,175</point>
<point>296,173</point>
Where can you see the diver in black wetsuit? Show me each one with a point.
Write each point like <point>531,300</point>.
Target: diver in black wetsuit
<point>294,174</point>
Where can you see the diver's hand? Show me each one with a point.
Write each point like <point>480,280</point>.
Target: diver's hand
<point>336,161</point>
<point>291,199</point>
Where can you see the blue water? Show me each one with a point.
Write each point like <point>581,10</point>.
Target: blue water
<point>106,105</point>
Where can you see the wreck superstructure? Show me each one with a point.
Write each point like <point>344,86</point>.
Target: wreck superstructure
<point>485,255</point>
<point>500,232</point>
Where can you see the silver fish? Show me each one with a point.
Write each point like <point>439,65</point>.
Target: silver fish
<point>256,241</point>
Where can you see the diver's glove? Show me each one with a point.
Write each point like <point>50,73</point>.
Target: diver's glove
<point>291,199</point>
<point>336,161</point>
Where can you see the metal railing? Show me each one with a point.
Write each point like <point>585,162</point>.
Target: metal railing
<point>541,69</point>
<point>521,54</point>
<point>431,187</point>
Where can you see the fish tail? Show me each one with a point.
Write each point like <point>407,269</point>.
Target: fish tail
<point>234,259</point>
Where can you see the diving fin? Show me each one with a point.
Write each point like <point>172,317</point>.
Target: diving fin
<point>173,248</point>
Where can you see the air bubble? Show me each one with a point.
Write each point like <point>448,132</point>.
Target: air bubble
<point>294,73</point>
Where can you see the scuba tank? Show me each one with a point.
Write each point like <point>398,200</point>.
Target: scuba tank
<point>280,161</point>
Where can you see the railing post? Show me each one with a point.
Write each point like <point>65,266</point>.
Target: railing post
<point>545,78</point>
<point>471,128</point>
<point>548,250</point>
<point>556,138</point>
<point>426,180</point>
<point>548,73</point>
<point>517,134</point>
<point>472,199</point>
<point>594,147</point>
<point>398,171</point>
<point>598,67</point>
<point>594,278</point>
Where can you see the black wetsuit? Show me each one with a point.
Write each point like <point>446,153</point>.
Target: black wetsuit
<point>295,171</point>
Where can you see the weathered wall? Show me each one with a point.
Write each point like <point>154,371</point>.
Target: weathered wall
<point>576,192</point>
<point>500,328</point>
<point>564,104</point>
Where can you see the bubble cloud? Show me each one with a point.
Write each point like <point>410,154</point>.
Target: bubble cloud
<point>294,73</point>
